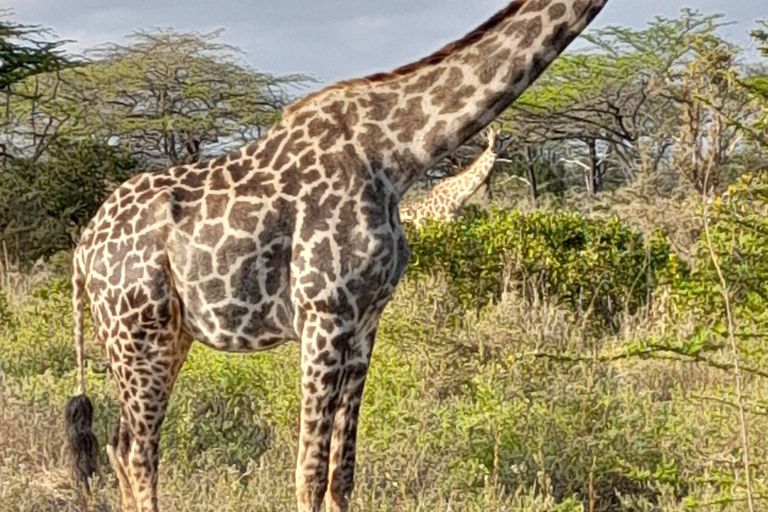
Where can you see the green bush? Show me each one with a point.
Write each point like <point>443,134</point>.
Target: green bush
<point>738,227</point>
<point>43,202</point>
<point>596,266</point>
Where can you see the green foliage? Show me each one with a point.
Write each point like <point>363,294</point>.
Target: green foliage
<point>37,339</point>
<point>209,429</point>
<point>594,266</point>
<point>43,202</point>
<point>758,85</point>
<point>760,35</point>
<point>167,92</point>
<point>739,230</point>
<point>5,310</point>
<point>23,53</point>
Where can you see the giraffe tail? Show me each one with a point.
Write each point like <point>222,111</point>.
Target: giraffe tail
<point>78,412</point>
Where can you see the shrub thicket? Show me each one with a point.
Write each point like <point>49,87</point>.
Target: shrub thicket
<point>600,268</point>
<point>43,202</point>
<point>738,228</point>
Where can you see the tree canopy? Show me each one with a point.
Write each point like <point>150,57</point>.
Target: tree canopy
<point>634,100</point>
<point>26,51</point>
<point>166,96</point>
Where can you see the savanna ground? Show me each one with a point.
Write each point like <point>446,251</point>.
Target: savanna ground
<point>593,340</point>
<point>520,404</point>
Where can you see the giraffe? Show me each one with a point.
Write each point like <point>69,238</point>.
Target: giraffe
<point>296,236</point>
<point>445,200</point>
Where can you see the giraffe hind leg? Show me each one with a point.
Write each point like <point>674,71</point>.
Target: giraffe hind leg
<point>147,349</point>
<point>120,444</point>
<point>334,365</point>
<point>320,379</point>
<point>145,388</point>
<point>124,483</point>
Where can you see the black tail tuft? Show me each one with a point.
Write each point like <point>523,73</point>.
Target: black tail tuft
<point>83,446</point>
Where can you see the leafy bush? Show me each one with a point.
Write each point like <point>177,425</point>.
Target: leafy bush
<point>43,202</point>
<point>590,265</point>
<point>738,227</point>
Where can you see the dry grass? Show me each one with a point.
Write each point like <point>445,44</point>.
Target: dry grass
<point>515,408</point>
<point>32,455</point>
<point>15,284</point>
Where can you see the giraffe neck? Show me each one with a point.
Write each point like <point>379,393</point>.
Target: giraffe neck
<point>404,121</point>
<point>461,187</point>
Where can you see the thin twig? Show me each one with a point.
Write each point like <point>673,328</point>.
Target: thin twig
<point>654,351</point>
<point>734,348</point>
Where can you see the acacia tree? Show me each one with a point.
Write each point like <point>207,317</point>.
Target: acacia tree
<point>760,35</point>
<point>758,86</point>
<point>591,106</point>
<point>168,93</point>
<point>170,97</point>
<point>26,53</point>
<point>708,96</point>
<point>618,109</point>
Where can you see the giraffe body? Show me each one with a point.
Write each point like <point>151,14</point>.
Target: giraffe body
<point>446,199</point>
<point>294,237</point>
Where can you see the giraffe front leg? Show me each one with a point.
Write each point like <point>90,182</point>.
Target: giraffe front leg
<point>344,438</point>
<point>322,371</point>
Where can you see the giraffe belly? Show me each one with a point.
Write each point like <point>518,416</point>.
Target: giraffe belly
<point>231,327</point>
<point>236,301</point>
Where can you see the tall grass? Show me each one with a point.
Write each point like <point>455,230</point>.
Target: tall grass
<point>513,407</point>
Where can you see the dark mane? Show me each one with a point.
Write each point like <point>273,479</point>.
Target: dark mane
<point>435,58</point>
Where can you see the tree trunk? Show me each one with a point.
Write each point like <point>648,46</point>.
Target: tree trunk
<point>488,187</point>
<point>595,171</point>
<point>532,175</point>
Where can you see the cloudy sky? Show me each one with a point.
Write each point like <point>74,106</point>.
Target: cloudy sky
<point>330,39</point>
